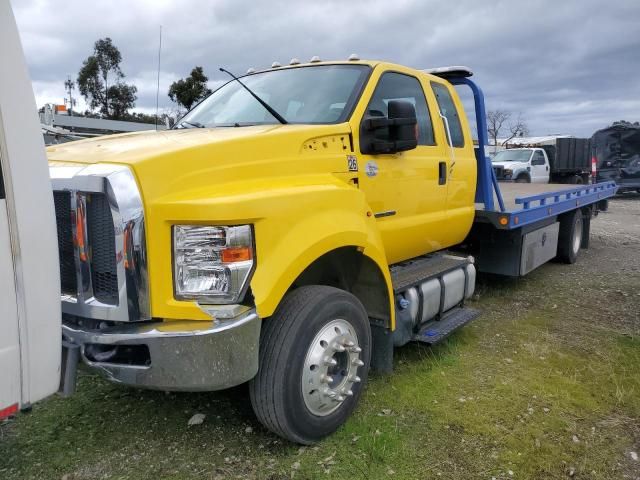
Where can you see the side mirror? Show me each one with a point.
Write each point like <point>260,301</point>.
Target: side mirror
<point>392,134</point>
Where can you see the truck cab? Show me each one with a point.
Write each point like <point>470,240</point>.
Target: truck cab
<point>180,250</point>
<point>30,349</point>
<point>522,165</point>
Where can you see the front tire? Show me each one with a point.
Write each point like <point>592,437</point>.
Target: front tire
<point>523,179</point>
<point>314,358</point>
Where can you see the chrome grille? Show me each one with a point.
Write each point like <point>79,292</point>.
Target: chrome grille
<point>97,259</point>
<point>101,242</point>
<point>102,251</point>
<point>64,222</point>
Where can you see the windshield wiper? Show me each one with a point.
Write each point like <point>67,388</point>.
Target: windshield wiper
<point>193,124</point>
<point>269,109</point>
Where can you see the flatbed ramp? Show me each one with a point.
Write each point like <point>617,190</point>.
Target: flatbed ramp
<point>510,191</point>
<point>529,203</point>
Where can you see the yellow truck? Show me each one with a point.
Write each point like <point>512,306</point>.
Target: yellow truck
<point>292,230</point>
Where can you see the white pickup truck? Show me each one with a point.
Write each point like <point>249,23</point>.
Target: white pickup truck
<point>522,165</point>
<point>568,161</point>
<point>30,329</point>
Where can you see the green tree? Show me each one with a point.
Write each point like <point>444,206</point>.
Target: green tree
<point>100,81</point>
<point>188,91</point>
<point>141,117</point>
<point>121,97</point>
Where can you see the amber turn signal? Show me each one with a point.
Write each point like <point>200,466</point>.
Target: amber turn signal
<point>236,254</point>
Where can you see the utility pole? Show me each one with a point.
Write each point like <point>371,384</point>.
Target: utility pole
<point>69,86</point>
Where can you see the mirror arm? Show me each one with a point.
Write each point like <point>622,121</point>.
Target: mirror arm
<point>382,146</point>
<point>375,123</point>
<point>384,122</point>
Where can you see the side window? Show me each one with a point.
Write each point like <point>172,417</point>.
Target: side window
<point>396,86</point>
<point>538,158</point>
<point>448,110</point>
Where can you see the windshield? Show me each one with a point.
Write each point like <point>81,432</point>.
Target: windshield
<point>512,156</point>
<point>318,94</point>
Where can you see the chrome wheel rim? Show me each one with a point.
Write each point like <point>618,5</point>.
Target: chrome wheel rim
<point>577,235</point>
<point>331,367</point>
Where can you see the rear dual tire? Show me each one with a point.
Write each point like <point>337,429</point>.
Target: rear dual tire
<point>314,359</point>
<point>570,236</point>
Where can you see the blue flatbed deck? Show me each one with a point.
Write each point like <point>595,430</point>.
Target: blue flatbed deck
<point>521,204</point>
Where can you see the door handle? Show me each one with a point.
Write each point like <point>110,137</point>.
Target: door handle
<point>442,173</point>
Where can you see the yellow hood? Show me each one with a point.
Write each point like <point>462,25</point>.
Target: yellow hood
<point>188,159</point>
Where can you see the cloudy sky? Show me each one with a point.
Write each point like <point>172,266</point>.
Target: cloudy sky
<point>567,66</point>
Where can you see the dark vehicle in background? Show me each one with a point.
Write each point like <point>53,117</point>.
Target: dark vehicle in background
<point>616,150</point>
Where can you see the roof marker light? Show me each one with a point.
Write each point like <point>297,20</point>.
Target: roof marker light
<point>294,61</point>
<point>251,70</point>
<point>449,72</point>
<point>354,57</point>
<point>275,65</point>
<point>315,59</point>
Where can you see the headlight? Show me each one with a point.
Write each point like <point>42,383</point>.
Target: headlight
<point>212,264</point>
<point>508,171</point>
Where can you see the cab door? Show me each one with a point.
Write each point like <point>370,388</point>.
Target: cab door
<point>406,191</point>
<point>9,345</point>
<point>462,168</point>
<point>539,168</point>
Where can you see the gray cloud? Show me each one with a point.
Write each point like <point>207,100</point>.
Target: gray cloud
<point>569,67</point>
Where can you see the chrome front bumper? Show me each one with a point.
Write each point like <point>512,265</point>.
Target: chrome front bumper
<point>183,355</point>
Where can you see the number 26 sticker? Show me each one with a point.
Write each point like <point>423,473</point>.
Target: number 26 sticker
<point>352,163</point>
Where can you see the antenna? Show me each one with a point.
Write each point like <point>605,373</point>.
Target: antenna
<point>158,84</point>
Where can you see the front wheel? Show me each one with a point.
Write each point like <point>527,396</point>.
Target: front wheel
<point>314,360</point>
<point>523,179</point>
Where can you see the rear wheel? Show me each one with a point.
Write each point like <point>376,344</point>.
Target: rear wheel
<point>314,360</point>
<point>572,180</point>
<point>570,236</point>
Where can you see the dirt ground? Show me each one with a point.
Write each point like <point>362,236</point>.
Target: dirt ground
<point>544,385</point>
<point>615,255</point>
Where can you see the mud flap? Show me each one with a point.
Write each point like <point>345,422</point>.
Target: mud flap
<point>69,368</point>
<point>382,354</point>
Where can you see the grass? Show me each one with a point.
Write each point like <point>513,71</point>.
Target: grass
<point>544,385</point>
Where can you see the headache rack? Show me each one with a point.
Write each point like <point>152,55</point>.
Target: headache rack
<point>514,210</point>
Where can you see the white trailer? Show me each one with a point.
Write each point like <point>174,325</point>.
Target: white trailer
<point>30,330</point>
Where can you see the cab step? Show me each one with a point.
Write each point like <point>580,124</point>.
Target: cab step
<point>436,330</point>
<point>409,274</point>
